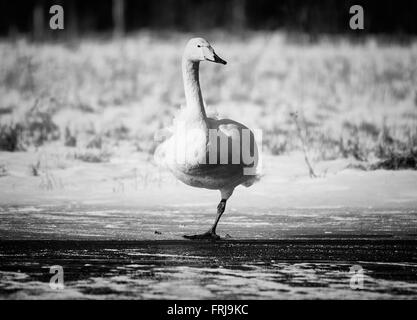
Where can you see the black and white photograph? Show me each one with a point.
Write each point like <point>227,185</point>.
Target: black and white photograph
<point>236,150</point>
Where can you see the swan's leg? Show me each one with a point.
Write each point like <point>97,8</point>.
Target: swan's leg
<point>211,234</point>
<point>220,209</point>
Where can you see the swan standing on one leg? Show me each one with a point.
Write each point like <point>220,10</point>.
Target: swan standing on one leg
<point>204,152</point>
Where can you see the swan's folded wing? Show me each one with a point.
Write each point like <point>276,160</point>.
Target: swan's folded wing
<point>241,140</point>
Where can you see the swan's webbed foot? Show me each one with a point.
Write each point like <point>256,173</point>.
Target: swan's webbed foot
<point>209,235</point>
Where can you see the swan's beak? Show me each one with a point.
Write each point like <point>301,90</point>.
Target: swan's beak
<point>210,55</point>
<point>217,59</point>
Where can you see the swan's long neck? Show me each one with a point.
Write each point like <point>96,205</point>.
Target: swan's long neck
<point>193,96</point>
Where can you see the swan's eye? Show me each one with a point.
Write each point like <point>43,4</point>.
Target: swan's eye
<point>199,46</point>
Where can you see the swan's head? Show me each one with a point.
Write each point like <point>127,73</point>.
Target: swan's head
<point>198,49</point>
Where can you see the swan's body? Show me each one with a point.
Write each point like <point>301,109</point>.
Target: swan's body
<point>188,153</point>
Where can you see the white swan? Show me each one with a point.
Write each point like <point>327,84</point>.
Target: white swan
<point>205,152</point>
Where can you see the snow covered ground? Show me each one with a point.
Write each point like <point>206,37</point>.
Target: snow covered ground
<point>132,178</point>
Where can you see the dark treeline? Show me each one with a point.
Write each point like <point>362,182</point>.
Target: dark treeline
<point>119,16</point>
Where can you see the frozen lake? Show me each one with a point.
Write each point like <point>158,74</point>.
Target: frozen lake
<point>110,253</point>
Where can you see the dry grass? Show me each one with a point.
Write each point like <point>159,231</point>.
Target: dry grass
<point>353,100</point>
<point>92,155</point>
